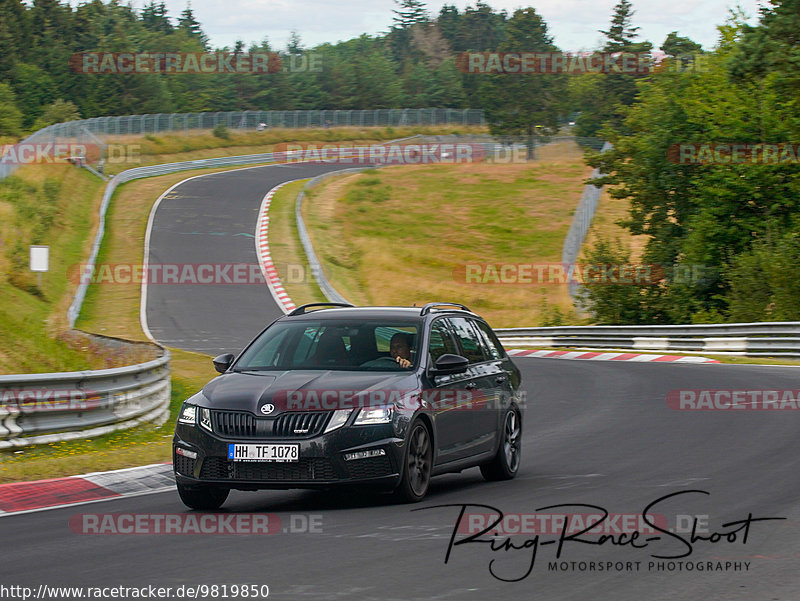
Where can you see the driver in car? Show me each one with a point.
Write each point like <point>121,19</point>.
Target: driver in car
<point>400,349</point>
<point>399,352</point>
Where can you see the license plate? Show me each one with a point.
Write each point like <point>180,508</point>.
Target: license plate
<point>277,453</point>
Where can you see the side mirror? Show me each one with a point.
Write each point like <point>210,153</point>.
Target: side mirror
<point>223,362</point>
<point>450,364</point>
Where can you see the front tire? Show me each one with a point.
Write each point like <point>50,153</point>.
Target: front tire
<point>202,497</point>
<point>505,464</point>
<point>417,464</point>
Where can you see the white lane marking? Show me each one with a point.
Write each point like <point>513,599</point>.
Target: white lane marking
<point>151,218</point>
<point>584,356</point>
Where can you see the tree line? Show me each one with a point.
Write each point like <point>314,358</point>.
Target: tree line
<point>733,226</point>
<point>413,64</point>
<point>710,162</point>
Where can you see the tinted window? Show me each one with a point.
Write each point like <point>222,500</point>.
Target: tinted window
<point>441,342</point>
<point>490,340</point>
<point>468,339</point>
<point>329,345</point>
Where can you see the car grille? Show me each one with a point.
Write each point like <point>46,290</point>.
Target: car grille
<point>307,423</point>
<point>183,465</point>
<point>371,467</point>
<point>214,468</point>
<point>310,468</point>
<point>235,424</point>
<point>298,424</point>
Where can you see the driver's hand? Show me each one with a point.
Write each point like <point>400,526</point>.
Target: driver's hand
<point>402,362</point>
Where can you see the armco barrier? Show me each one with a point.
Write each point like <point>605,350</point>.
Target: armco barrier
<point>45,408</point>
<point>97,128</point>
<point>152,171</point>
<point>314,265</point>
<point>767,339</point>
<point>138,173</point>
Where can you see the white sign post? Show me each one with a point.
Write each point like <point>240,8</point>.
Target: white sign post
<point>40,260</point>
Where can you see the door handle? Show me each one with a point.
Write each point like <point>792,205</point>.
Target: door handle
<point>471,386</point>
<point>500,379</point>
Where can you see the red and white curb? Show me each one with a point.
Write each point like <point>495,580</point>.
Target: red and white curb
<point>265,258</point>
<point>28,497</point>
<point>583,355</point>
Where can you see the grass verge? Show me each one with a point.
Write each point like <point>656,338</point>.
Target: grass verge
<point>113,310</point>
<point>382,233</point>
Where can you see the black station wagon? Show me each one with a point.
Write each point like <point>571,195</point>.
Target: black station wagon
<point>384,397</point>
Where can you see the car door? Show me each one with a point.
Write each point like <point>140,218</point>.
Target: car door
<point>452,422</point>
<point>499,379</point>
<point>480,383</point>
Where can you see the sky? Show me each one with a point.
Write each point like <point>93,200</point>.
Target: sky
<point>573,23</point>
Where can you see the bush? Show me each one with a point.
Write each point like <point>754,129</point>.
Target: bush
<point>220,131</point>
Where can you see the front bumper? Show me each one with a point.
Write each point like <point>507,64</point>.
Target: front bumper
<point>321,460</point>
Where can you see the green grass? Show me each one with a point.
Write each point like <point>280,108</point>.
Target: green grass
<point>134,151</point>
<point>142,445</point>
<point>287,250</point>
<point>32,317</point>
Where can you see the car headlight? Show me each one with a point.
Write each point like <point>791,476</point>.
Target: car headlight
<point>188,414</point>
<point>339,418</point>
<point>374,415</point>
<point>205,418</point>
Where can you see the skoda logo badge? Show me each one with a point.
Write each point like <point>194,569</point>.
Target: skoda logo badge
<point>267,409</point>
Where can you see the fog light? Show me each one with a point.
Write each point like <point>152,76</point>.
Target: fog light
<point>185,453</point>
<point>364,454</point>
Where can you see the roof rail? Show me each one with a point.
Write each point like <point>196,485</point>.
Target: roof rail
<point>427,308</point>
<point>301,310</point>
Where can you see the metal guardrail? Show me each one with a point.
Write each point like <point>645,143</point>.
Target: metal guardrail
<point>767,339</point>
<point>581,221</point>
<point>54,407</point>
<point>88,130</point>
<point>44,408</point>
<point>138,173</point>
<point>316,268</point>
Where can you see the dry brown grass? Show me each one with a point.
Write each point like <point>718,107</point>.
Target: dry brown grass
<point>604,226</point>
<point>405,249</point>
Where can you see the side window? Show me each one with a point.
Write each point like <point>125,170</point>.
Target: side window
<point>440,343</point>
<point>490,339</point>
<point>468,339</point>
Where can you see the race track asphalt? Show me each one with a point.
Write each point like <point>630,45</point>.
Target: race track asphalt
<point>595,433</point>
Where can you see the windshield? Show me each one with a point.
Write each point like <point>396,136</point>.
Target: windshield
<point>340,345</point>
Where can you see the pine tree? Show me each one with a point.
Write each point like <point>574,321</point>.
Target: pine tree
<point>155,17</point>
<point>295,45</point>
<point>409,13</point>
<point>191,26</point>
<point>621,34</point>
